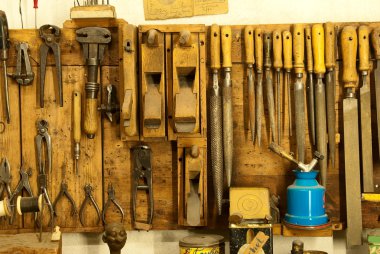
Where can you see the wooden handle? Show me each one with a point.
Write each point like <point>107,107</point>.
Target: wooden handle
<point>375,39</point>
<point>330,45</point>
<point>287,48</point>
<point>277,49</point>
<point>215,47</point>
<point>259,49</point>
<point>309,50</point>
<point>90,118</point>
<point>363,34</point>
<point>185,38</point>
<point>318,42</point>
<point>248,42</point>
<point>77,116</point>
<point>349,49</point>
<point>226,46</point>
<point>267,50</point>
<point>298,48</point>
<point>152,37</point>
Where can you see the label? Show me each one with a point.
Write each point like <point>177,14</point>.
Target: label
<point>208,250</point>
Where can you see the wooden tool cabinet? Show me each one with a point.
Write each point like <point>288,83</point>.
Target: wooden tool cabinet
<point>107,158</point>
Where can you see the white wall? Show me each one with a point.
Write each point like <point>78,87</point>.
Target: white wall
<point>240,12</point>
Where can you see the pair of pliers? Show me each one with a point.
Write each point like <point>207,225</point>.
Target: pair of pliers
<point>5,178</point>
<point>111,199</point>
<point>89,198</point>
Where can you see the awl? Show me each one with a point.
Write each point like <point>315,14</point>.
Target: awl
<point>299,89</point>
<point>77,114</point>
<point>375,39</point>
<point>288,65</point>
<point>318,42</point>
<point>351,137</point>
<point>269,83</point>
<point>227,102</point>
<point>216,120</point>
<point>249,60</point>
<point>310,85</point>
<point>259,85</point>
<point>277,64</point>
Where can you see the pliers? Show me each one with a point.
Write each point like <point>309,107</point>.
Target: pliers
<point>64,192</point>
<point>51,36</point>
<point>89,198</point>
<point>5,178</point>
<point>111,198</point>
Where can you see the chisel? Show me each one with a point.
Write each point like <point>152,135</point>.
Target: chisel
<point>249,60</point>
<point>299,89</point>
<point>259,84</point>
<point>310,84</point>
<point>365,110</point>
<point>318,43</point>
<point>351,137</point>
<point>269,83</point>
<point>288,65</point>
<point>277,64</point>
<point>375,39</point>
<point>216,120</point>
<point>227,102</point>
<point>330,87</point>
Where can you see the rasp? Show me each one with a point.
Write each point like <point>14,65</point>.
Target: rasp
<point>269,83</point>
<point>299,89</point>
<point>259,85</point>
<point>277,64</point>
<point>227,102</point>
<point>351,137</point>
<point>288,65</point>
<point>249,60</point>
<point>310,85</point>
<point>375,39</point>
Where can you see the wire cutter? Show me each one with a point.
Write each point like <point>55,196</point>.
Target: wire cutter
<point>51,35</point>
<point>5,178</point>
<point>111,198</point>
<point>64,192</point>
<point>89,198</point>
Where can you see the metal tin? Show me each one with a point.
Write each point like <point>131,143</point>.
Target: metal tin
<point>202,244</point>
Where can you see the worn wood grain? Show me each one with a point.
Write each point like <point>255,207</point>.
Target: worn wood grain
<point>29,244</point>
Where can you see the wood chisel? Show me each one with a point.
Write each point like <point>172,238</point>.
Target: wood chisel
<point>375,39</point>
<point>310,84</point>
<point>299,89</point>
<point>4,47</point>
<point>216,120</point>
<point>330,87</point>
<point>365,110</point>
<point>77,114</point>
<point>227,102</point>
<point>259,84</point>
<point>249,60</point>
<point>288,65</point>
<point>351,137</point>
<point>318,43</point>
<point>269,83</point>
<point>277,64</point>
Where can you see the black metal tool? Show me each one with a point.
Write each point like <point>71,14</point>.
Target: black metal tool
<point>112,199</point>
<point>5,178</point>
<point>88,199</point>
<point>4,46</point>
<point>23,63</point>
<point>62,193</point>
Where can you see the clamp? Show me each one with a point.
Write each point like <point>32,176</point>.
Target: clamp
<point>51,36</point>
<point>89,198</point>
<point>64,192</point>
<point>5,178</point>
<point>21,78</point>
<point>111,198</point>
<point>142,172</point>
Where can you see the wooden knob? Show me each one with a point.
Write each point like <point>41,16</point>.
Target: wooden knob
<point>226,46</point>
<point>215,47</point>
<point>259,49</point>
<point>375,39</point>
<point>298,48</point>
<point>248,42</point>
<point>309,50</point>
<point>318,42</point>
<point>90,118</point>
<point>349,49</point>
<point>267,50</point>
<point>330,45</point>
<point>185,38</point>
<point>277,49</point>
<point>77,116</point>
<point>152,37</point>
<point>363,34</point>
<point>287,48</point>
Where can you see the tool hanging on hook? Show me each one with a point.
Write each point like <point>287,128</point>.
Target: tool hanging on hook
<point>22,63</point>
<point>4,46</point>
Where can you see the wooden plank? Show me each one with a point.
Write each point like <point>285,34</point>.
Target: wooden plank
<point>29,244</point>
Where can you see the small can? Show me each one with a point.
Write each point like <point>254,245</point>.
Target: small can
<point>202,244</point>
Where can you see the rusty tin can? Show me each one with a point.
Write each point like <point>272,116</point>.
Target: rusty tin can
<point>202,244</point>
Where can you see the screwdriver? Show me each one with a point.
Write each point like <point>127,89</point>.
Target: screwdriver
<point>35,6</point>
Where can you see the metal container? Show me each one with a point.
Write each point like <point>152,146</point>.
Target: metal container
<point>306,201</point>
<point>202,244</point>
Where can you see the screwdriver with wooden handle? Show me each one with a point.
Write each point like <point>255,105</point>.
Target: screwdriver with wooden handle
<point>227,102</point>
<point>318,43</point>
<point>77,127</point>
<point>35,6</point>
<point>259,85</point>
<point>310,84</point>
<point>365,110</point>
<point>216,119</point>
<point>375,40</point>
<point>249,60</point>
<point>269,83</point>
<point>288,65</point>
<point>330,87</point>
<point>277,64</point>
<point>299,89</point>
<point>351,137</point>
